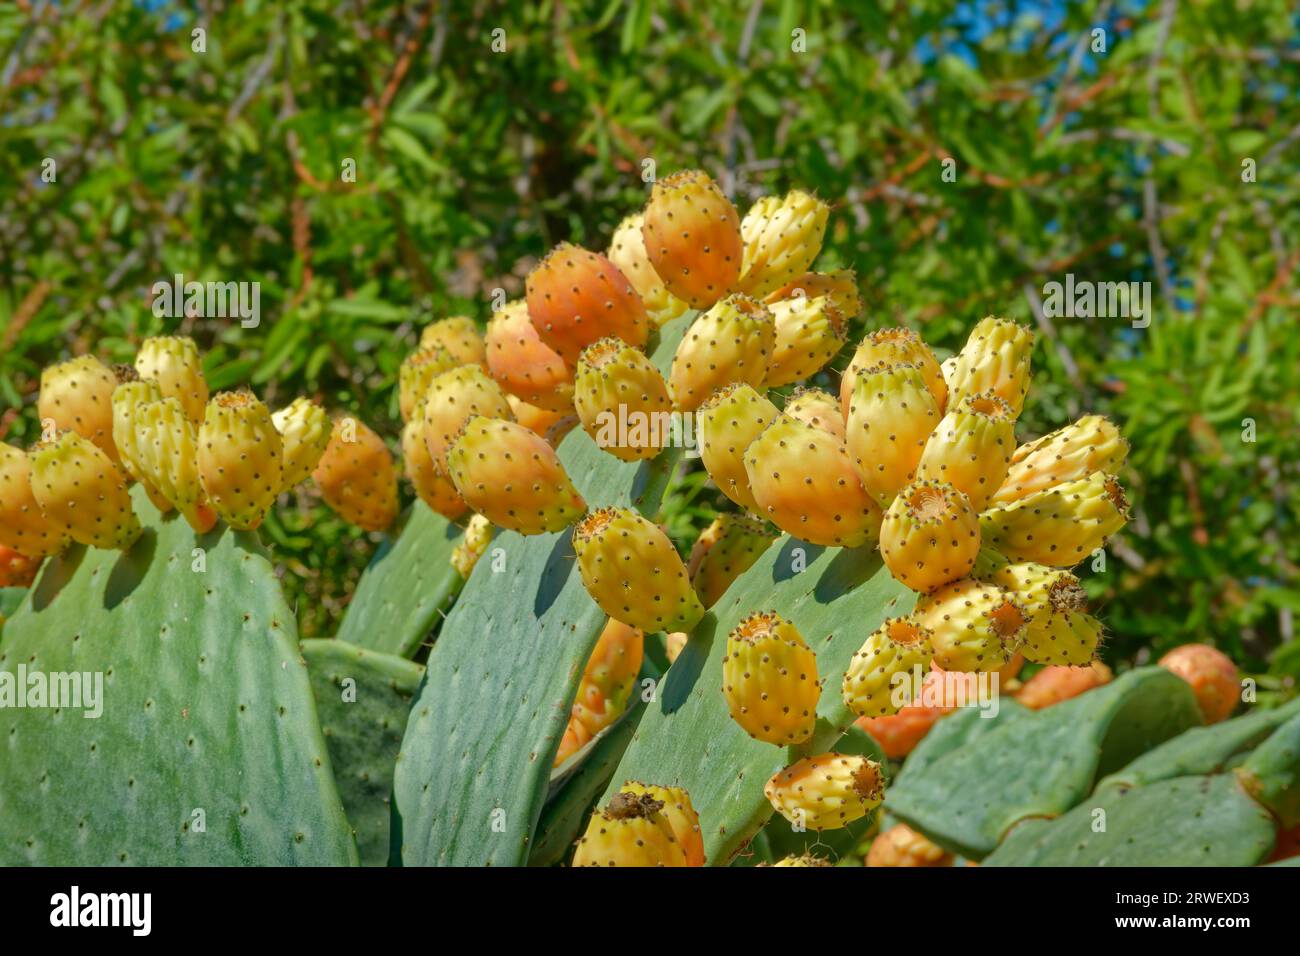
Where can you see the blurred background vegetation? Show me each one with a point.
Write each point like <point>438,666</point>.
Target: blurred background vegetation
<point>1122,163</point>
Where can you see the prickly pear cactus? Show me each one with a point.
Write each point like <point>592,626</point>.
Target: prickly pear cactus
<point>1272,773</point>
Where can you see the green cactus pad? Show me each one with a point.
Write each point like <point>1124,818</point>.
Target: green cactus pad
<point>362,722</point>
<point>207,707</point>
<point>1272,774</point>
<point>1187,821</point>
<point>961,728</point>
<point>10,598</point>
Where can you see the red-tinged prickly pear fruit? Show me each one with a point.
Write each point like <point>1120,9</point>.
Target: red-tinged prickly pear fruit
<point>79,487</point>
<point>454,398</point>
<point>633,572</point>
<point>525,366</point>
<point>930,536</point>
<point>17,570</point>
<point>478,535</point>
<point>691,233</point>
<point>609,677</point>
<point>827,791</point>
<point>680,814</point>
<point>839,285</point>
<point>77,395</point>
<point>729,421</point>
<point>241,459</point>
<point>900,845</point>
<point>128,398</point>
<point>769,678</point>
<point>973,626</point>
<point>1076,451</point>
<point>806,859</point>
<point>724,551</point>
<point>1054,685</point>
<point>1212,676</point>
<point>512,477</point>
<point>537,420</point>
<point>173,362</point>
<point>576,297</point>
<point>899,733</point>
<point>971,448</point>
<point>994,359</point>
<point>805,483</point>
<point>167,444</point>
<point>890,347</point>
<point>897,646</point>
<point>816,407</point>
<point>459,337</point>
<point>630,831</point>
<point>890,418</point>
<point>675,644</point>
<point>431,484</point>
<point>809,333</point>
<point>305,430</point>
<point>731,342</point>
<point>357,477</point>
<point>782,238</point>
<point>627,251</point>
<point>622,401</point>
<point>24,527</point>
<point>417,371</point>
<point>1060,526</point>
<point>1060,631</point>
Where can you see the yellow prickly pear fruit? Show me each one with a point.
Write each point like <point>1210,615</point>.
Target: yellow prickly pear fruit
<point>731,342</point>
<point>431,484</point>
<point>417,371</point>
<point>633,572</point>
<point>630,831</point>
<point>769,678</point>
<point>675,644</point>
<point>305,431</point>
<point>839,285</point>
<point>890,418</point>
<point>357,477</point>
<point>459,337</point>
<point>1060,526</point>
<point>79,488</point>
<point>900,845</point>
<point>729,421</point>
<point>525,366</point>
<point>680,814</point>
<point>240,459</point>
<point>128,398</point>
<point>827,791</point>
<point>809,333</point>
<point>818,408</point>
<point>895,648</point>
<point>1060,631</point>
<point>24,527</point>
<point>77,395</point>
<point>691,233</point>
<point>173,362</point>
<point>806,859</point>
<point>974,626</point>
<point>890,347</point>
<point>627,251</point>
<point>724,551</point>
<point>782,238</point>
<point>1076,451</point>
<point>452,399</point>
<point>168,445</point>
<point>621,400</point>
<point>971,448</point>
<point>995,359</point>
<point>478,535</point>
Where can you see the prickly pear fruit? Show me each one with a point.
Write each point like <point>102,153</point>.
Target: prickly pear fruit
<point>890,347</point>
<point>606,686</point>
<point>241,459</point>
<point>809,333</point>
<point>633,572</point>
<point>459,336</point>
<point>769,678</point>
<point>622,400</point>
<point>1212,675</point>
<point>804,482</point>
<point>1076,451</point>
<point>454,398</point>
<point>894,648</point>
<point>675,643</point>
<point>79,487</point>
<point>724,551</point>
<point>167,443</point>
<point>729,421</point>
<point>431,484</point>
<point>971,448</point>
<point>555,434</point>
<point>930,535</point>
<point>731,342</point>
<point>1060,631</point>
<point>839,285</point>
<point>173,362</point>
<point>357,477</point>
<point>576,297</point>
<point>417,370</point>
<point>995,358</point>
<point>898,734</point>
<point>575,737</point>
<point>974,626</point>
<point>627,251</point>
<point>537,420</point>
<point>630,831</point>
<point>512,477</point>
<point>691,233</point>
<point>478,535</point>
<point>24,527</point>
<point>305,430</point>
<point>782,238</point>
<point>827,791</point>
<point>1060,526</point>
<point>128,398</point>
<point>524,365</point>
<point>1056,684</point>
<point>816,407</point>
<point>680,814</point>
<point>891,416</point>
<point>805,859</point>
<point>900,845</point>
<point>16,570</point>
<point>78,395</point>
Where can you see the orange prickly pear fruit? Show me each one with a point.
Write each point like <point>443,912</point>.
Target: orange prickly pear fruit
<point>782,238</point>
<point>24,527</point>
<point>576,297</point>
<point>167,443</point>
<point>974,626</point>
<point>816,407</point>
<point>729,421</point>
<point>890,347</point>
<point>305,431</point>
<point>576,736</point>
<point>898,734</point>
<point>525,366</point>
<point>1060,526</point>
<point>1055,684</point>
<point>804,482</point>
<point>417,371</point>
<point>622,400</point>
<point>478,535</point>
<point>512,477</point>
<point>128,398</point>
<point>680,814</point>
<point>731,342</point>
<point>1076,451</point>
<point>675,644</point>
<point>894,648</point>
<point>971,449</point>
<point>173,362</point>
<point>769,678</point>
<point>691,233</point>
<point>606,685</point>
<point>240,459</point>
<point>535,419</point>
<point>357,477</point>
<point>630,831</point>
<point>77,395</point>
<point>809,333</point>
<point>79,488</point>
<point>1212,675</point>
<point>633,572</point>
<point>459,337</point>
<point>840,286</point>
<point>627,251</point>
<point>724,551</point>
<point>900,845</point>
<point>890,418</point>
<point>17,570</point>
<point>1060,631</point>
<point>995,358</point>
<point>827,791</point>
<point>930,536</point>
<point>453,398</point>
<point>430,482</point>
